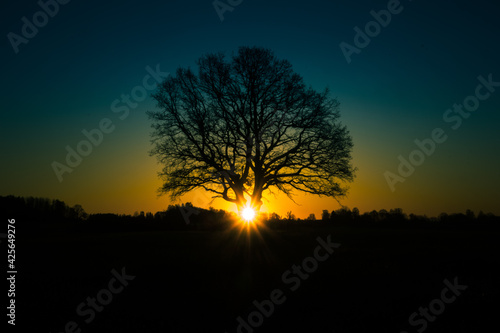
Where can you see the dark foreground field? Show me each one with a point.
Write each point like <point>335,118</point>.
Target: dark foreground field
<point>202,281</point>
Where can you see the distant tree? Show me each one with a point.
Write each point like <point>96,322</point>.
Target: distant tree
<point>274,217</point>
<point>325,216</point>
<point>80,212</point>
<point>59,208</point>
<point>374,215</point>
<point>238,128</point>
<point>443,217</point>
<point>397,214</point>
<point>344,213</point>
<point>481,216</point>
<point>290,216</point>
<point>383,214</point>
<point>311,217</point>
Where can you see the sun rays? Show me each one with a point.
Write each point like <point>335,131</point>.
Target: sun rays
<point>248,214</point>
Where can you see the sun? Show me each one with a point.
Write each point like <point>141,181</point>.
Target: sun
<point>248,214</point>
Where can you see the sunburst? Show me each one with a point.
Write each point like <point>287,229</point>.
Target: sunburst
<point>248,214</point>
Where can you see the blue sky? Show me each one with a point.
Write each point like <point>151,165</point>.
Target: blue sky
<point>393,92</point>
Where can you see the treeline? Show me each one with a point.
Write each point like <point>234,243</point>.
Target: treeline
<point>35,214</point>
<point>40,213</point>
<point>41,209</point>
<point>345,214</point>
<point>175,217</point>
<point>392,217</point>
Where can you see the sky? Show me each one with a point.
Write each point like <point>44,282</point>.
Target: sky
<point>397,80</point>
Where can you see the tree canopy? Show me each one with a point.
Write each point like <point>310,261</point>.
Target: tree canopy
<point>241,126</point>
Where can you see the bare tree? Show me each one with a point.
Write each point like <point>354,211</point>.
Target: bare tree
<point>241,127</point>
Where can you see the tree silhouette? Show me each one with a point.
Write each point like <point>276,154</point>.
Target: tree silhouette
<point>290,216</point>
<point>238,128</point>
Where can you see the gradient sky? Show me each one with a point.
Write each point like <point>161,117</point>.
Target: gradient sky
<point>395,90</point>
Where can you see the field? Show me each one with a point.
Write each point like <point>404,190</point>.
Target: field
<point>202,281</point>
